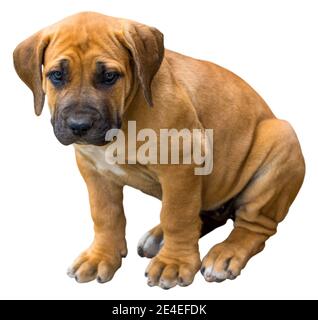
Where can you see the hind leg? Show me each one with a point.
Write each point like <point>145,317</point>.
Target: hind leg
<point>263,203</point>
<point>151,242</point>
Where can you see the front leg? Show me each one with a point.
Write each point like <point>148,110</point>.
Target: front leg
<point>101,260</point>
<point>178,260</point>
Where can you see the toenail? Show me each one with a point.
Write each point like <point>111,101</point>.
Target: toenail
<point>231,276</point>
<point>150,283</point>
<point>140,251</point>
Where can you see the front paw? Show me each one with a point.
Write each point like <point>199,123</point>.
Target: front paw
<point>167,271</point>
<point>94,264</point>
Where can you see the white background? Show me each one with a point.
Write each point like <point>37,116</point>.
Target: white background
<point>44,213</point>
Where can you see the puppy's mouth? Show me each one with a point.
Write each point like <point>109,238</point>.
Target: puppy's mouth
<point>67,139</point>
<point>95,141</point>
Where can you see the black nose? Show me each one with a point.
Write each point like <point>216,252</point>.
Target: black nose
<point>79,125</point>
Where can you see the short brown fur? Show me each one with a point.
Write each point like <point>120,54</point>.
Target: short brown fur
<point>257,158</point>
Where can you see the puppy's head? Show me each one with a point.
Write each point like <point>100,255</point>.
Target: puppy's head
<point>90,66</point>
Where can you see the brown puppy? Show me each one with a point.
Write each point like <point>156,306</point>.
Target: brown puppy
<point>100,72</point>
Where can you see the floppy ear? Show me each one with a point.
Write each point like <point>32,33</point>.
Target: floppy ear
<point>146,47</point>
<point>28,59</point>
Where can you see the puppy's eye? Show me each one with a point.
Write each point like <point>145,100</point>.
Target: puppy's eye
<point>110,77</point>
<point>56,77</point>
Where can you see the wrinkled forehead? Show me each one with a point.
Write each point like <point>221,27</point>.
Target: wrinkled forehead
<point>88,42</point>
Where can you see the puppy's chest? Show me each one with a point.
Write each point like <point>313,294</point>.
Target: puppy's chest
<point>134,175</point>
